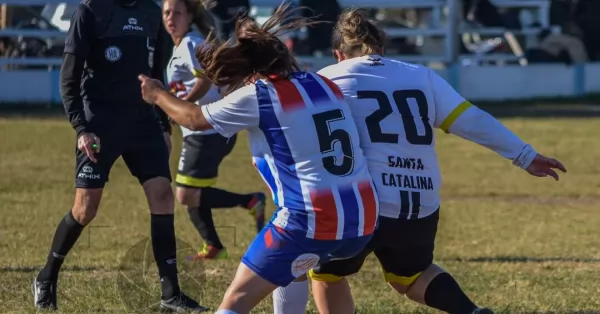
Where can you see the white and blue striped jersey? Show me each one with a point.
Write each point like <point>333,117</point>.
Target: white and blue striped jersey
<point>305,145</point>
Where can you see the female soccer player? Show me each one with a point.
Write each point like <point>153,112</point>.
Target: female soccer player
<point>396,105</point>
<point>202,151</point>
<point>305,145</point>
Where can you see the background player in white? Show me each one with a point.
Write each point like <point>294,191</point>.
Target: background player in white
<point>396,105</point>
<point>305,145</point>
<point>202,151</point>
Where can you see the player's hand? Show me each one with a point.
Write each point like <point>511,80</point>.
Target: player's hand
<point>542,166</point>
<point>89,143</point>
<point>150,88</point>
<point>167,138</point>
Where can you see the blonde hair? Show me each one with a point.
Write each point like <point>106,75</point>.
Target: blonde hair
<point>355,35</point>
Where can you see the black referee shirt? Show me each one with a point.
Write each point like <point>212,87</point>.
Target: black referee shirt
<point>109,44</point>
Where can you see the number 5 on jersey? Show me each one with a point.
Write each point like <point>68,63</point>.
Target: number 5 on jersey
<point>400,99</point>
<point>327,139</point>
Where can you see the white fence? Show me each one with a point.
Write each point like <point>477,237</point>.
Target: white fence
<point>444,26</point>
<point>475,83</point>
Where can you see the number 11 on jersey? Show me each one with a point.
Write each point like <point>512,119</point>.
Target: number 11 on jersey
<point>410,204</point>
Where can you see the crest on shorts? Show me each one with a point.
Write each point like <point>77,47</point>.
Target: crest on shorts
<point>112,54</point>
<point>303,263</point>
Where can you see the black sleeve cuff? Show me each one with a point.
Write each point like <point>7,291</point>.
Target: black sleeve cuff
<point>80,128</point>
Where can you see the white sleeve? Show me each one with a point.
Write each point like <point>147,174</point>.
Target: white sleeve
<point>343,81</point>
<point>189,57</point>
<point>447,101</point>
<point>327,72</point>
<point>456,115</point>
<point>234,113</point>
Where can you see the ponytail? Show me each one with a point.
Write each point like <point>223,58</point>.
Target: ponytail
<point>355,35</point>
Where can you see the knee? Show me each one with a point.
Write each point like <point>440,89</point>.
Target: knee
<point>416,291</point>
<point>399,288</point>
<point>234,300</point>
<point>402,284</point>
<point>160,196</point>
<point>86,205</point>
<point>188,196</point>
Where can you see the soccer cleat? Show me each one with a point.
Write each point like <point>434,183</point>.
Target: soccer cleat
<point>209,252</point>
<point>483,310</point>
<point>44,295</point>
<point>256,208</point>
<point>181,303</point>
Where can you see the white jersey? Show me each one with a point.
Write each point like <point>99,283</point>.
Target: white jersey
<point>396,105</point>
<point>306,147</point>
<point>182,71</point>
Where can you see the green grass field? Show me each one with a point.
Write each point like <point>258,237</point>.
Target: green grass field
<point>517,244</point>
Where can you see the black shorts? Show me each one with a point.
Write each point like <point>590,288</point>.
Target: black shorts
<point>403,247</point>
<point>201,156</point>
<point>141,145</point>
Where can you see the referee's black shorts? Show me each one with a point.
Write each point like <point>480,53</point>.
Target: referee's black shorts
<point>141,144</point>
<point>201,156</point>
<point>403,247</point>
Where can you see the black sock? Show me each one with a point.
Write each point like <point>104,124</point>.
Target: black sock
<point>444,294</point>
<point>67,233</point>
<point>202,219</point>
<point>164,247</point>
<point>217,198</point>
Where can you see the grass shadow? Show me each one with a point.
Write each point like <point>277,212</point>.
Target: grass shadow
<point>31,269</point>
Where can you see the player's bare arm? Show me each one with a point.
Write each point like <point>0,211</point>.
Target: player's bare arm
<point>199,90</point>
<point>183,112</point>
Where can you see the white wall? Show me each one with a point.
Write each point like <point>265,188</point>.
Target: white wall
<point>29,86</point>
<point>475,83</point>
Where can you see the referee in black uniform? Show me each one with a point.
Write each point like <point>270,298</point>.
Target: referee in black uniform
<point>109,43</point>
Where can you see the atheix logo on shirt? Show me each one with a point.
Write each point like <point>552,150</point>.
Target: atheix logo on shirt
<point>132,26</point>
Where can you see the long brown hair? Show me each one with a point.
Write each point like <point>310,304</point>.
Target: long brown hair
<point>255,51</point>
<point>355,35</point>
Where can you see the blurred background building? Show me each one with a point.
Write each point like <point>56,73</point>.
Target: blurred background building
<point>488,31</point>
<point>501,34</point>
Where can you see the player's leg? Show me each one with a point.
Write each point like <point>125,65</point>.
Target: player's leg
<point>329,284</point>
<point>89,183</point>
<point>201,156</point>
<point>198,170</point>
<point>148,160</point>
<point>274,259</point>
<point>291,299</point>
<point>408,265</point>
<point>266,265</point>
<point>220,147</point>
